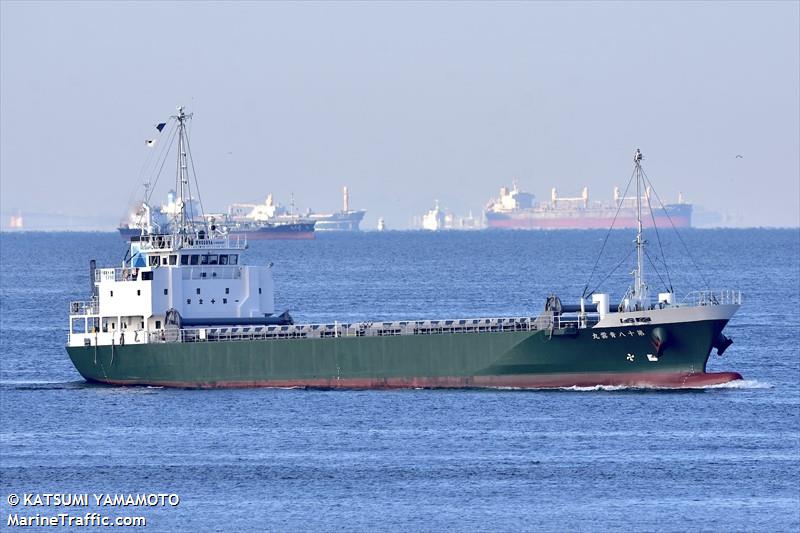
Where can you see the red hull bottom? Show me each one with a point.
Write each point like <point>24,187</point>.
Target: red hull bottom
<point>664,380</point>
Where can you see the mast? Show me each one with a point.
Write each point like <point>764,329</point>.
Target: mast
<point>184,225</point>
<point>639,286</point>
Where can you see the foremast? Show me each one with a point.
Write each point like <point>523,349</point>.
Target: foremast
<point>638,296</point>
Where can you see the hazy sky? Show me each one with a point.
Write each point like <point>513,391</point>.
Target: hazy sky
<point>404,102</point>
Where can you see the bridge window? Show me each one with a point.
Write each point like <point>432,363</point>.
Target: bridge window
<point>173,260</point>
<point>158,324</point>
<point>164,260</point>
<point>223,259</point>
<point>213,259</point>
<point>233,259</point>
<point>184,259</point>
<point>153,260</point>
<point>194,259</point>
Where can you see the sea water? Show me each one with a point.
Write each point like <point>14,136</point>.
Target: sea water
<point>723,458</point>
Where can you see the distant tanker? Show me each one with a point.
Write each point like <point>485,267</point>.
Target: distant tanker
<point>516,209</point>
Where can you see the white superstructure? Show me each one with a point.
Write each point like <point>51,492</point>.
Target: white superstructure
<point>192,276</point>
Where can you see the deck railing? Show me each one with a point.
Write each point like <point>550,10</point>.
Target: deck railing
<point>360,329</point>
<point>717,297</point>
<point>156,242</point>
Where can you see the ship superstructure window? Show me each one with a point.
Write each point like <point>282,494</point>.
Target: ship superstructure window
<point>158,324</point>
<point>184,259</point>
<point>233,259</point>
<point>201,301</point>
<point>223,259</point>
<point>173,260</point>
<point>194,259</point>
<point>138,292</point>
<point>153,260</point>
<point>188,300</point>
<point>224,300</point>
<point>147,276</point>
<point>164,260</point>
<point>198,290</point>
<point>111,293</point>
<point>166,292</point>
<point>227,290</point>
<point>259,290</point>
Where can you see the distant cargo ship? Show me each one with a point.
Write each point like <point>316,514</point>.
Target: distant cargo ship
<point>344,220</point>
<point>266,221</point>
<point>516,209</point>
<point>438,219</point>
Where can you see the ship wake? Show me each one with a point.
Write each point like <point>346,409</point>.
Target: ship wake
<point>736,384</point>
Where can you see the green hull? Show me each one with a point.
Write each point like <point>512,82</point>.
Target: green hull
<point>525,359</point>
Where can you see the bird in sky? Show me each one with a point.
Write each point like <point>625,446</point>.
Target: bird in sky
<point>739,156</point>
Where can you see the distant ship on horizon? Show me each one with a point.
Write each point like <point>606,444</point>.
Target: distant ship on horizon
<point>265,221</point>
<point>16,222</point>
<point>345,220</point>
<point>443,219</point>
<point>516,209</point>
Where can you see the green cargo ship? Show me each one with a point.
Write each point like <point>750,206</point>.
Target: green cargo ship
<point>185,311</point>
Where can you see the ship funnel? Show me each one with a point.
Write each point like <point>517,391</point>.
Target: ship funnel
<point>345,199</point>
